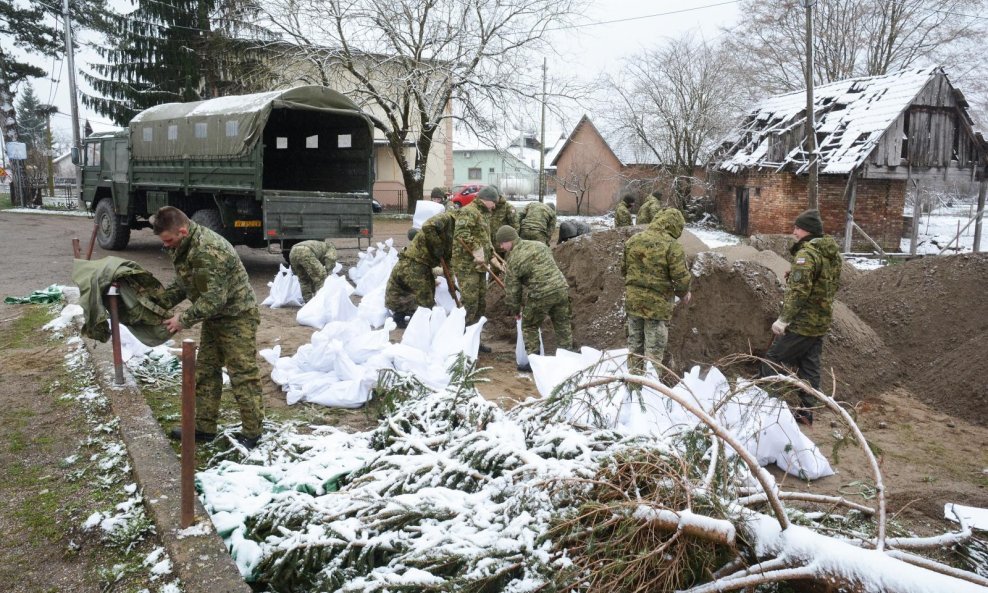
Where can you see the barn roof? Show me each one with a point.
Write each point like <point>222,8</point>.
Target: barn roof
<point>851,117</point>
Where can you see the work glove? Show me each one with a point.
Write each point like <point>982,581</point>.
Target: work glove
<point>687,298</point>
<point>779,327</point>
<point>496,263</point>
<point>478,259</point>
<point>437,272</point>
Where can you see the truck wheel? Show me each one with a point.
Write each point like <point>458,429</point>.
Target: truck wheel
<point>210,219</point>
<point>111,234</point>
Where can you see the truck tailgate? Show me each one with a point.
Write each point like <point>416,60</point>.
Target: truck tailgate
<point>301,215</point>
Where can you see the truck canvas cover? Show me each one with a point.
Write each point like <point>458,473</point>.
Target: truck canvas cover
<point>225,126</point>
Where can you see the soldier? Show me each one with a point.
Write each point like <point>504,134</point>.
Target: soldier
<point>572,229</point>
<point>622,216</point>
<point>502,214</point>
<point>650,209</point>
<point>530,266</point>
<point>654,270</point>
<point>537,222</point>
<point>807,308</point>
<point>312,261</point>
<point>209,273</point>
<point>413,275</point>
<point>472,251</point>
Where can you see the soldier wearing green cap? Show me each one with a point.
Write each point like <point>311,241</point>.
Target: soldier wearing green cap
<point>807,307</point>
<point>532,268</point>
<point>311,262</point>
<point>537,222</point>
<point>502,214</point>
<point>209,273</point>
<point>655,271</point>
<point>622,216</point>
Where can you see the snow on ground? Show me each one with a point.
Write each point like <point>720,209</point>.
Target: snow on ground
<point>938,229</point>
<point>53,212</point>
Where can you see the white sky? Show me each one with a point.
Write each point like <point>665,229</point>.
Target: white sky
<point>625,28</point>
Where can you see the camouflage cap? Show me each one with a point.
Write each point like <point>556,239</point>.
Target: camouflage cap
<point>489,193</point>
<point>505,234</point>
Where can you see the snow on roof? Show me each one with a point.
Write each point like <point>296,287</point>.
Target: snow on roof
<point>851,115</point>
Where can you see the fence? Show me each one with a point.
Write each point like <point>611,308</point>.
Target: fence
<point>392,200</point>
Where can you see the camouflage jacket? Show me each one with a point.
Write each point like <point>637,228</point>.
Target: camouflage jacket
<point>324,251</point>
<point>530,265</point>
<point>622,216</point>
<point>433,241</point>
<point>537,220</point>
<point>813,280</point>
<point>209,273</point>
<point>471,232</point>
<point>649,210</point>
<point>503,214</point>
<point>654,268</point>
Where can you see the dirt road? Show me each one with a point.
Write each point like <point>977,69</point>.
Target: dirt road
<point>928,457</point>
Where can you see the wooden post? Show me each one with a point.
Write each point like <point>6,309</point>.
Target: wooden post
<point>76,248</point>
<point>188,433</point>
<point>981,210</point>
<point>849,224</point>
<point>917,213</point>
<point>92,242</point>
<point>118,377</point>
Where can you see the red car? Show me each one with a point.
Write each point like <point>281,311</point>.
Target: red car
<point>464,194</point>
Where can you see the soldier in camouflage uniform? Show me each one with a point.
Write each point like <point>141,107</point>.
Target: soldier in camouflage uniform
<point>807,308</point>
<point>312,261</point>
<point>654,270</point>
<point>471,253</point>
<point>412,282</point>
<point>622,216</point>
<point>537,222</point>
<point>531,267</point>
<point>209,273</point>
<point>502,214</point>
<point>650,209</point>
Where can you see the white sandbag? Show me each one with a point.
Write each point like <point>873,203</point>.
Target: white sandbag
<point>446,340</point>
<point>443,297</point>
<point>285,290</point>
<point>418,333</point>
<point>521,354</point>
<point>330,303</point>
<point>371,308</point>
<point>378,271</point>
<point>424,210</point>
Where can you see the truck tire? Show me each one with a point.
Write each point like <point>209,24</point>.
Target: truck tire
<point>209,218</point>
<point>111,234</point>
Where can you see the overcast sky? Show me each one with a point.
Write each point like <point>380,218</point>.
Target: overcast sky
<point>611,31</point>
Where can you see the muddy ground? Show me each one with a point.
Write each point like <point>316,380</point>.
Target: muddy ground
<point>931,453</point>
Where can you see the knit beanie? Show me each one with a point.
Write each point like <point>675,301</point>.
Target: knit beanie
<point>810,222</point>
<point>488,192</point>
<point>505,233</point>
<point>629,199</point>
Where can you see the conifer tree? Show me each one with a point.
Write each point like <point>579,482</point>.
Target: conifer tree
<point>23,25</point>
<point>176,50</point>
<point>30,122</point>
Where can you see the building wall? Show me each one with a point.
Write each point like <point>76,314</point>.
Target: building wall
<point>776,199</point>
<point>587,155</point>
<point>512,176</point>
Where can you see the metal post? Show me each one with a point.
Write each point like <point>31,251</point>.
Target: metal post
<point>812,184</point>
<point>113,293</point>
<point>76,248</point>
<point>188,433</point>
<point>73,97</point>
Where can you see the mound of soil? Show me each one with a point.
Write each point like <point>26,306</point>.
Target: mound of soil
<point>781,244</point>
<point>933,314</point>
<point>737,292</point>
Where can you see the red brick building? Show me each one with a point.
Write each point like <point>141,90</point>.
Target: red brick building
<point>876,136</point>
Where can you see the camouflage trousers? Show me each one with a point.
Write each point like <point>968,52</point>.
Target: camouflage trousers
<point>557,309</point>
<point>309,269</point>
<point>473,292</point>
<point>531,235</point>
<point>410,285</point>
<point>229,342</point>
<point>646,338</point>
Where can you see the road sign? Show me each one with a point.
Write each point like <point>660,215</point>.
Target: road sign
<point>17,151</point>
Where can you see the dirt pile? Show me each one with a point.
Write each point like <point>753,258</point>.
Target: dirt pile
<point>933,314</point>
<point>737,293</point>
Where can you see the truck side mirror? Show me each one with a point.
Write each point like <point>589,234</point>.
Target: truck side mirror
<point>75,155</point>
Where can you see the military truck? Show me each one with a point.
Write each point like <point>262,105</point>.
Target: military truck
<point>263,170</point>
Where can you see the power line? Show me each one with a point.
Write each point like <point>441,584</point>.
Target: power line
<point>643,17</point>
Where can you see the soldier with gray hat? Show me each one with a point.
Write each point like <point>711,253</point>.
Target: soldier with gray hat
<point>531,267</point>
<point>807,307</point>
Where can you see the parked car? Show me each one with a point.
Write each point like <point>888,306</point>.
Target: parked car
<point>376,206</point>
<point>464,194</point>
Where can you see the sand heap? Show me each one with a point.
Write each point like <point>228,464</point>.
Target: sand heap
<point>737,292</point>
<point>933,314</point>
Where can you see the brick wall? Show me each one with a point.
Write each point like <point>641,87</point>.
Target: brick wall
<point>775,199</point>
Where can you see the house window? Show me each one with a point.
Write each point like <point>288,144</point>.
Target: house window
<point>473,173</point>
<point>201,129</point>
<point>491,170</point>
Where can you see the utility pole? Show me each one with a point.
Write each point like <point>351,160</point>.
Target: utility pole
<point>46,111</point>
<point>812,184</point>
<point>73,101</point>
<point>542,140</point>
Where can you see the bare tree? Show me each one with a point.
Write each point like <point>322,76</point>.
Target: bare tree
<point>675,103</point>
<point>851,38</point>
<point>409,61</point>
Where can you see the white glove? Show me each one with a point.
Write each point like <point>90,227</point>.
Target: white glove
<point>479,260</point>
<point>779,327</point>
<point>688,298</point>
